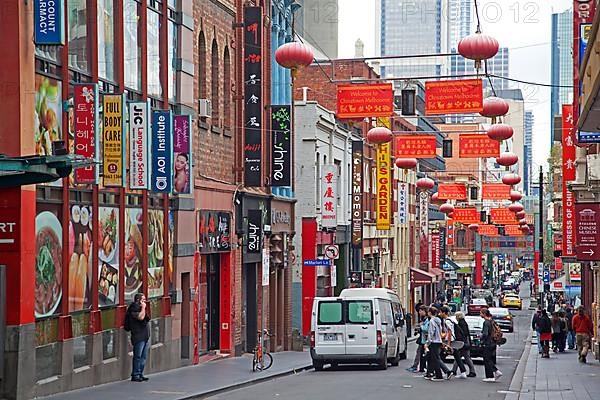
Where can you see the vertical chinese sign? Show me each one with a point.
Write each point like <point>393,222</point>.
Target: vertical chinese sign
<point>383,186</point>
<point>281,151</point>
<point>424,228</point>
<point>568,173</point>
<point>252,97</point>
<point>442,245</point>
<point>113,142</point>
<point>329,196</point>
<point>138,145</point>
<point>161,177</point>
<point>435,249</point>
<point>357,193</point>
<point>85,115</point>
<point>182,164</point>
<point>402,202</point>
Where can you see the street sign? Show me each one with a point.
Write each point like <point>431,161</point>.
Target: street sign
<point>317,263</point>
<point>589,137</point>
<point>332,251</point>
<point>588,231</point>
<point>546,275</point>
<point>333,275</point>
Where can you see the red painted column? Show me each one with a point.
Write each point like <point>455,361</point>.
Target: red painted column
<point>478,269</point>
<point>225,306</point>
<point>309,274</point>
<point>536,260</point>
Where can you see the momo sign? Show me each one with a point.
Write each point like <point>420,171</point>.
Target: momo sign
<point>357,194</point>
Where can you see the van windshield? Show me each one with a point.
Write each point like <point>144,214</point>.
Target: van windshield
<point>330,312</point>
<point>360,312</point>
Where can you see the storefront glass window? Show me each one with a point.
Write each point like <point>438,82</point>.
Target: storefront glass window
<point>50,53</point>
<point>106,40</point>
<point>172,46</point>
<point>78,45</point>
<point>132,45</point>
<point>154,86</point>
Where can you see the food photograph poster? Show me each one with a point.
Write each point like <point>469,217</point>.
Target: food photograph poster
<point>108,256</point>
<point>133,252</point>
<point>48,114</point>
<point>80,257</point>
<point>156,262</point>
<point>48,260</point>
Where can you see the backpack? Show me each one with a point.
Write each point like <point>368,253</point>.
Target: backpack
<point>496,333</point>
<point>127,323</point>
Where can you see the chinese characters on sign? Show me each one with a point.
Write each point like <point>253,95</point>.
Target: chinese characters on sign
<point>253,96</point>
<point>467,215</point>
<point>138,145</point>
<point>424,228</point>
<point>588,231</point>
<point>357,193</point>
<point>415,146</point>
<point>281,151</point>
<point>488,230</point>
<point>503,216</point>
<point>85,114</point>
<point>512,230</point>
<point>384,208</point>
<point>453,97</point>
<point>161,177</point>
<point>214,231</point>
<point>452,191</point>
<point>113,142</point>
<point>568,144</point>
<point>359,101</point>
<point>495,191</point>
<point>182,164</point>
<point>477,145</point>
<point>329,196</point>
<point>402,202</point>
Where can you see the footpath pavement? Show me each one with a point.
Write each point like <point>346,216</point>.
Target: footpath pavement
<point>197,381</point>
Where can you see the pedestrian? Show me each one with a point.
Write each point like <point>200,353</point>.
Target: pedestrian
<point>544,327</point>
<point>570,331</point>
<point>534,326</point>
<point>136,321</point>
<point>462,334</point>
<point>556,328</point>
<point>421,330</point>
<point>447,337</point>
<point>433,346</point>
<point>488,341</point>
<point>582,325</point>
<point>418,306</point>
<point>562,344</point>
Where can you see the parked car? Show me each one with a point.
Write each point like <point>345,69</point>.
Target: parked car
<point>512,300</point>
<point>503,318</point>
<point>476,305</point>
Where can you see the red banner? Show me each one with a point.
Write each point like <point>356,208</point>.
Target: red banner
<point>488,230</point>
<point>468,215</point>
<point>435,250</point>
<point>558,264</point>
<point>85,113</point>
<point>452,191</point>
<point>415,146</point>
<point>450,232</point>
<point>588,231</point>
<point>360,101</point>
<point>568,143</point>
<point>454,97</point>
<point>477,145</point>
<point>495,191</point>
<point>503,216</point>
<point>513,230</point>
<point>568,222</point>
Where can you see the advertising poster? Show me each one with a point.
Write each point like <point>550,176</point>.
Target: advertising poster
<point>265,266</point>
<point>139,166</point>
<point>574,272</point>
<point>384,209</point>
<point>587,217</point>
<point>329,196</point>
<point>156,259</point>
<point>48,260</point>
<point>360,101</point>
<point>415,146</point>
<point>171,242</point>
<point>80,257</point>
<point>357,193</point>
<point>133,252</point>
<point>48,114</point>
<point>161,177</point>
<point>182,162</point>
<point>477,145</point>
<point>108,256</point>
<point>281,151</point>
<point>113,145</point>
<point>85,120</point>
<point>453,96</point>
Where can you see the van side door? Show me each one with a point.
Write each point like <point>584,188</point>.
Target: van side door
<point>387,326</point>
<point>400,324</point>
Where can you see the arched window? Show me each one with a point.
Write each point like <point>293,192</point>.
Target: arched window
<point>226,89</point>
<point>202,66</point>
<point>214,83</point>
<point>461,235</point>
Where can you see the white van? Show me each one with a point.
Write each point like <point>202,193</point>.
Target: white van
<point>360,326</point>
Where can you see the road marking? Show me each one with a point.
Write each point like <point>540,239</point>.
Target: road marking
<point>407,386</point>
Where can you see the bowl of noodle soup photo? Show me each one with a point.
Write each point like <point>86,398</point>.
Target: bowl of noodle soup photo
<point>48,264</point>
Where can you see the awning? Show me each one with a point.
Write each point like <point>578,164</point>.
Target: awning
<point>559,285</point>
<point>419,277</point>
<point>450,265</point>
<point>439,274</point>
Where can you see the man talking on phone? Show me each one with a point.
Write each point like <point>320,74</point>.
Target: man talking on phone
<point>136,321</point>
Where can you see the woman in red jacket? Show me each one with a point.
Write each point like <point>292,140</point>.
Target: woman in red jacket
<point>582,325</point>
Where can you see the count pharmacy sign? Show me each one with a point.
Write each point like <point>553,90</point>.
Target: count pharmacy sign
<point>49,27</point>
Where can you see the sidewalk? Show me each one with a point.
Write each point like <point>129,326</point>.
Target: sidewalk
<point>195,381</point>
<point>559,377</point>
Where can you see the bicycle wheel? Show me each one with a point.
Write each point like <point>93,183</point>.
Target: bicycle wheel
<point>267,361</point>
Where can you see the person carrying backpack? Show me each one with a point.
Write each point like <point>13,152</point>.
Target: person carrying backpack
<point>491,335</point>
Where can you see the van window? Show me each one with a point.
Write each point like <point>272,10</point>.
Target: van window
<point>360,312</point>
<point>330,312</point>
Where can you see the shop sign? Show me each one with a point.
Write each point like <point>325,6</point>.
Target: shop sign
<point>574,272</point>
<point>557,285</point>
<point>588,231</point>
<point>568,143</point>
<point>558,245</point>
<point>281,151</point>
<point>568,225</point>
<point>182,163</point>
<point>265,266</point>
<point>512,230</point>
<point>85,121</point>
<point>488,230</point>
<point>9,229</point>
<point>254,234</point>
<point>383,187</point>
<point>450,232</point>
<point>280,217</point>
<point>415,146</point>
<point>503,216</point>
<point>161,177</point>
<point>138,145</point>
<point>583,14</point>
<point>357,193</point>
<point>49,22</point>
<point>214,231</point>
<point>360,101</point>
<point>588,137</point>
<point>442,246</point>
<point>453,96</point>
<point>424,228</point>
<point>253,101</point>
<point>435,250</point>
<point>466,215</point>
<point>495,191</point>
<point>452,191</point>
<point>329,196</point>
<point>477,145</point>
<point>558,265</point>
<point>113,143</point>
<point>402,202</point>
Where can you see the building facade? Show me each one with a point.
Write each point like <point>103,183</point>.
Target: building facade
<point>561,66</point>
<point>528,152</point>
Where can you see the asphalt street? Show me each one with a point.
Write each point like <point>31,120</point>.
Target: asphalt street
<point>363,382</point>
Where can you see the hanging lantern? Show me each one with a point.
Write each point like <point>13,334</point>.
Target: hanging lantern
<point>500,132</point>
<point>520,214</point>
<point>507,159</point>
<point>447,208</point>
<point>425,183</point>
<point>494,107</point>
<point>294,55</point>
<point>515,195</point>
<point>474,227</point>
<point>450,215</point>
<point>516,207</point>
<point>406,163</point>
<point>435,197</point>
<point>525,229</point>
<point>523,221</point>
<point>478,47</point>
<point>380,135</point>
<point>511,179</point>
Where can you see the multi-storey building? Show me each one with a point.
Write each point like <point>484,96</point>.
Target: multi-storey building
<point>528,152</point>
<point>561,62</point>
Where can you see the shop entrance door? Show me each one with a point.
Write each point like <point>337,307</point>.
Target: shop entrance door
<point>250,307</point>
<point>213,300</point>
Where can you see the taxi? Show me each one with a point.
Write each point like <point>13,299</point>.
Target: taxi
<point>512,300</point>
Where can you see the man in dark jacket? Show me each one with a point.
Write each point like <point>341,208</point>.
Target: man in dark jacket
<point>544,327</point>
<point>534,324</point>
<point>462,334</point>
<point>139,316</point>
<point>570,331</point>
<point>492,373</point>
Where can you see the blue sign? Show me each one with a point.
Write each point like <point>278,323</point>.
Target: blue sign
<point>48,22</point>
<point>317,263</point>
<point>588,137</point>
<point>161,176</point>
<point>584,37</point>
<point>546,275</point>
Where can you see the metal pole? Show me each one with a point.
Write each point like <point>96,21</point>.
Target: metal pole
<point>540,233</point>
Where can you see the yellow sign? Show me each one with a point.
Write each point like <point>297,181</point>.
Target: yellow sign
<point>113,140</point>
<point>384,184</point>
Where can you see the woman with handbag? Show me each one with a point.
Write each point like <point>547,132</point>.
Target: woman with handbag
<point>461,331</point>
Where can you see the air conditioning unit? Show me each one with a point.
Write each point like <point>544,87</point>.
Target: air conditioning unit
<point>204,108</point>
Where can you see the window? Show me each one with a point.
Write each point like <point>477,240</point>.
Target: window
<point>132,45</point>
<point>226,89</point>
<point>78,46</point>
<point>202,65</point>
<point>214,82</point>
<point>172,46</point>
<point>154,85</point>
<point>460,238</point>
<point>330,312</point>
<point>360,312</point>
<point>106,40</point>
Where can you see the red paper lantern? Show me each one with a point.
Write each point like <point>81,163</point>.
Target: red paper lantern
<point>523,221</point>
<point>515,195</point>
<point>425,183</point>
<point>294,55</point>
<point>500,132</point>
<point>474,227</point>
<point>435,197</point>
<point>507,159</point>
<point>450,215</point>
<point>494,107</point>
<point>478,47</point>
<point>524,228</point>
<point>380,135</point>
<point>406,163</point>
<point>511,179</point>
<point>521,214</point>
<point>447,208</point>
<point>516,207</point>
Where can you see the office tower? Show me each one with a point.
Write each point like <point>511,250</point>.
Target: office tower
<point>562,62</point>
<point>528,151</point>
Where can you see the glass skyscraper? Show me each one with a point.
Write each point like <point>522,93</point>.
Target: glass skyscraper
<point>528,151</point>
<point>562,62</point>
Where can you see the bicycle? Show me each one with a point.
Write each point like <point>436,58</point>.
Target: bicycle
<point>261,360</point>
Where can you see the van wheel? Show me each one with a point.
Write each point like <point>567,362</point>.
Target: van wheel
<point>317,365</point>
<point>396,360</point>
<point>403,354</point>
<point>383,363</point>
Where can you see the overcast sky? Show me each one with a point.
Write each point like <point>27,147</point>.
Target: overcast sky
<point>522,26</point>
